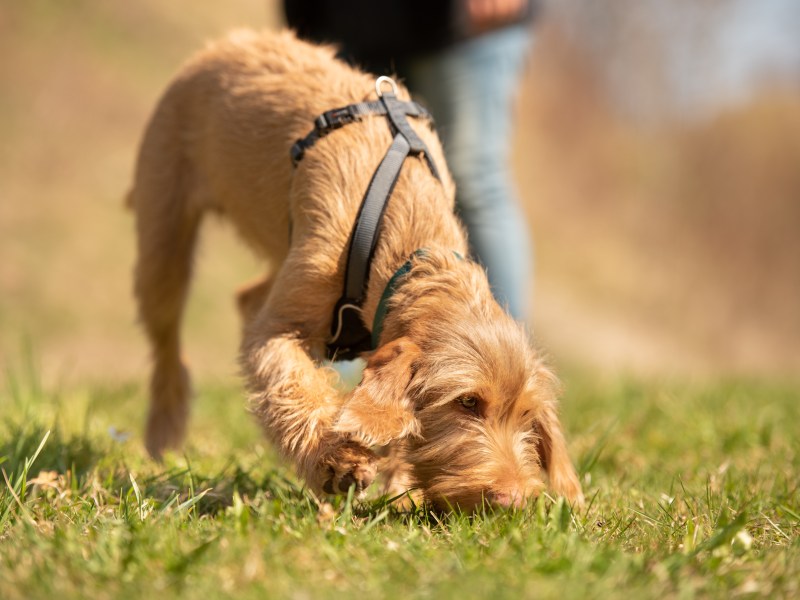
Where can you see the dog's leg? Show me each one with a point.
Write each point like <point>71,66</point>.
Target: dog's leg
<point>397,477</point>
<point>161,287</point>
<point>166,231</point>
<point>295,402</point>
<point>293,396</point>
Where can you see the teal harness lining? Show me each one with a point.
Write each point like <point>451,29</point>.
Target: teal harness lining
<point>390,289</point>
<point>388,292</point>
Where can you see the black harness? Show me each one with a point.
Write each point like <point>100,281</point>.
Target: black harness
<point>349,335</point>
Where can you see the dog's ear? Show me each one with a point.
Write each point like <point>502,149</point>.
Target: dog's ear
<point>379,409</point>
<point>552,450</point>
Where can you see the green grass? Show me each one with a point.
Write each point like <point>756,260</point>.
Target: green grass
<point>692,492</point>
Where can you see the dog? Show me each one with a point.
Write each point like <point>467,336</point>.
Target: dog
<point>454,401</point>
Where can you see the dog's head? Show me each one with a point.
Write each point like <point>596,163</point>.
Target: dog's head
<point>473,404</point>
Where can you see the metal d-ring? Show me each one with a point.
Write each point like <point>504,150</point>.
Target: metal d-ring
<point>379,83</point>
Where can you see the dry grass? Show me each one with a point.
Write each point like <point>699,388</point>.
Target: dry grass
<point>671,245</point>
<point>85,78</point>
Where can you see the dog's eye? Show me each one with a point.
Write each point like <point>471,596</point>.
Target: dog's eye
<point>469,402</point>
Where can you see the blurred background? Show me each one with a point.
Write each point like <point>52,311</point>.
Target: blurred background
<point>657,152</point>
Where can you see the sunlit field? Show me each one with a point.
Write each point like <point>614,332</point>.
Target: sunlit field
<point>665,297</point>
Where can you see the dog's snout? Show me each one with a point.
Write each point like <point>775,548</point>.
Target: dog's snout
<point>506,499</point>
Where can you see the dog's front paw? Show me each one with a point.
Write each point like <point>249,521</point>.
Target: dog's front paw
<point>348,464</point>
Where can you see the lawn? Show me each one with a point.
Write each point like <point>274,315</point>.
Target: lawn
<point>692,491</point>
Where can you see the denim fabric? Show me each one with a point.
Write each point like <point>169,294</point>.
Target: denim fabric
<point>469,88</point>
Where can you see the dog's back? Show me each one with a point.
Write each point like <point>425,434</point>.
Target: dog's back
<point>219,137</point>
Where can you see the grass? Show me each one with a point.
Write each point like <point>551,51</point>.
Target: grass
<point>692,492</point>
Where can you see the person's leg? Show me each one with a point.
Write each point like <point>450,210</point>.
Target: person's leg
<point>469,89</point>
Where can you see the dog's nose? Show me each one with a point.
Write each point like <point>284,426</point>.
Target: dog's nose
<point>506,499</point>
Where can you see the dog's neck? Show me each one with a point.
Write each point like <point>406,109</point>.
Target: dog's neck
<point>438,284</point>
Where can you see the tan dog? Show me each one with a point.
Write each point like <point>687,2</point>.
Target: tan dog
<point>454,395</point>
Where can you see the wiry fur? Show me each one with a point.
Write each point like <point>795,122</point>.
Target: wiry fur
<point>219,141</point>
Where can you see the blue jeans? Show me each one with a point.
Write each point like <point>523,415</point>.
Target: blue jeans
<point>469,88</point>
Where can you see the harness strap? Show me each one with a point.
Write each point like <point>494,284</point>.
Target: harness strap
<point>339,117</point>
<point>397,116</point>
<point>365,234</point>
<point>349,335</point>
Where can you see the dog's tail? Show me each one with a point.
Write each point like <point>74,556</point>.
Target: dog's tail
<point>166,228</point>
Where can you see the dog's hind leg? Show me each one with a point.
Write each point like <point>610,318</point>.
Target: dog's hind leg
<point>167,228</point>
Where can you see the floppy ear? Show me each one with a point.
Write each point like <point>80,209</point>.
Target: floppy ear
<point>552,450</point>
<point>379,409</point>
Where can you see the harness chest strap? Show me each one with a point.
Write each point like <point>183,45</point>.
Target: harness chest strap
<point>349,335</point>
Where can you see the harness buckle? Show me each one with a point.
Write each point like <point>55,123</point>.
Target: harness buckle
<point>321,124</point>
<point>296,152</point>
<point>334,119</point>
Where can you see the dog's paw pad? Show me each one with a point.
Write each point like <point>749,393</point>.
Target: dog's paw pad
<point>349,465</point>
<point>360,476</point>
